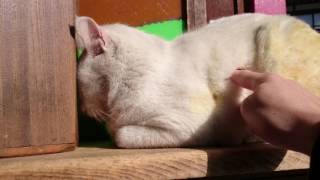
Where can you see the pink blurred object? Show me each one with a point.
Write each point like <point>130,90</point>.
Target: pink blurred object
<point>270,6</point>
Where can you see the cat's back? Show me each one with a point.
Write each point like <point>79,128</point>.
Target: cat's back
<point>236,34</point>
<point>226,26</point>
<point>290,47</point>
<point>238,25</point>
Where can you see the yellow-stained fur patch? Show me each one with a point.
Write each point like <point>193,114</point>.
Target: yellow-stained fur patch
<point>291,50</point>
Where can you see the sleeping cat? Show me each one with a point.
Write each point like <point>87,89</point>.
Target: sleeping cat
<point>153,93</point>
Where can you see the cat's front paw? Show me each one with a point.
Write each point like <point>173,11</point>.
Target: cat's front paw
<point>124,137</point>
<point>135,136</point>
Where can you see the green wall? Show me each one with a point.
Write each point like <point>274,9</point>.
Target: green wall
<point>167,30</point>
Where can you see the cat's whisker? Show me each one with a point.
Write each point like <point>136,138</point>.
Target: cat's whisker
<point>94,114</point>
<point>97,115</point>
<point>105,115</point>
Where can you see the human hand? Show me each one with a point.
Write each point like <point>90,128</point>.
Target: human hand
<point>280,111</point>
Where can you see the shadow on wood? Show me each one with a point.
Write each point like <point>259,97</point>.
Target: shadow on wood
<point>254,158</point>
<point>175,163</point>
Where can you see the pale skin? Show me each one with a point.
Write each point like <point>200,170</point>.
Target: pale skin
<point>280,111</point>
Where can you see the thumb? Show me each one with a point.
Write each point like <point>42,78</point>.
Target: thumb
<point>247,79</point>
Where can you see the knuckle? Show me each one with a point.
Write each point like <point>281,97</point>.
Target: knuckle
<point>270,77</point>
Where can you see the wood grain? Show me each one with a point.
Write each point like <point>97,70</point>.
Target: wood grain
<point>31,150</point>
<point>258,160</point>
<point>200,12</point>
<point>131,12</point>
<point>37,73</point>
<point>240,6</point>
<point>219,8</point>
<point>196,14</point>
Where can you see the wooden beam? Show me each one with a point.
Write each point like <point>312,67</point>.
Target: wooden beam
<point>240,6</point>
<point>196,14</point>
<point>257,160</point>
<point>220,8</point>
<point>200,12</point>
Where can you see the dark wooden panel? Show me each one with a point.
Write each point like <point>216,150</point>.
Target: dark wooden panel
<point>201,12</point>
<point>240,6</point>
<point>219,8</point>
<point>37,73</point>
<point>297,2</point>
<point>132,12</point>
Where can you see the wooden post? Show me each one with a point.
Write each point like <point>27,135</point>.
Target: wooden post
<point>220,8</point>
<point>197,14</point>
<point>240,6</point>
<point>200,12</point>
<point>270,6</point>
<point>37,77</point>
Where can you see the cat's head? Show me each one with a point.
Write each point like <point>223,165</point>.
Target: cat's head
<point>112,55</point>
<point>92,82</point>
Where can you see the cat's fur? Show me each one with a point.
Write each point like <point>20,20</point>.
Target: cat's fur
<point>155,93</point>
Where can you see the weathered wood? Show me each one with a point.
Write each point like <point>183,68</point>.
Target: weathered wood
<point>259,160</point>
<point>240,6</point>
<point>131,12</point>
<point>196,14</point>
<point>219,8</point>
<point>37,73</point>
<point>199,12</point>
<point>270,6</point>
<point>31,150</point>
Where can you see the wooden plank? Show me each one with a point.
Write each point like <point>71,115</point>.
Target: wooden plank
<point>201,12</point>
<point>27,151</point>
<point>38,73</point>
<point>131,12</point>
<point>270,6</point>
<point>240,6</point>
<point>258,160</point>
<point>196,14</point>
<point>12,132</point>
<point>219,8</point>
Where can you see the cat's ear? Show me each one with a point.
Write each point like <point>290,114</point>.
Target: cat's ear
<point>89,35</point>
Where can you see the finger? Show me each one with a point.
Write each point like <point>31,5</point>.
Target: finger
<point>247,79</point>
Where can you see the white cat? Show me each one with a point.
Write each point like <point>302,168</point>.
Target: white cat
<point>154,93</point>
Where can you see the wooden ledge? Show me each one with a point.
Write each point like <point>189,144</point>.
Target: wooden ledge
<point>177,163</point>
<point>31,150</point>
